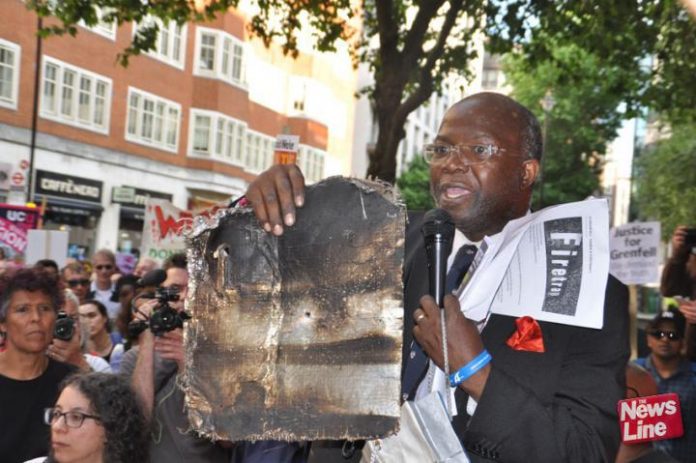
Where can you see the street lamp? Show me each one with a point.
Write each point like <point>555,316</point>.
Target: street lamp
<point>547,104</point>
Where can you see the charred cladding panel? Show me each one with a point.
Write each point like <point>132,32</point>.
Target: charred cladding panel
<point>298,337</point>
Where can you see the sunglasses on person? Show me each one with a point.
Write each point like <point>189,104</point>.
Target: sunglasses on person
<point>78,282</point>
<point>104,267</point>
<point>660,334</point>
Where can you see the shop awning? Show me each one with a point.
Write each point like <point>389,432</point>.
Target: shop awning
<point>66,206</point>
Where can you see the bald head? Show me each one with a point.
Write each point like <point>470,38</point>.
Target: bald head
<point>506,112</point>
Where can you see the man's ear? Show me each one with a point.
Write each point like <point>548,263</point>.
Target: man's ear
<point>529,173</point>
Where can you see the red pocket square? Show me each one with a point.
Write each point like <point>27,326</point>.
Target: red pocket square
<point>527,337</point>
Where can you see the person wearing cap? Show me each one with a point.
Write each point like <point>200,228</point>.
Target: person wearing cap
<point>673,373</point>
<point>679,281</point>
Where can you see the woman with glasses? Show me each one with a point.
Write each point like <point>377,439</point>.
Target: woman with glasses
<point>97,418</point>
<point>29,378</point>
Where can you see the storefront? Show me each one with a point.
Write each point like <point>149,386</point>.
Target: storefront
<point>132,211</point>
<point>72,204</point>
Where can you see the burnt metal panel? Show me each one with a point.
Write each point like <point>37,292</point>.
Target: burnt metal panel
<point>298,337</point>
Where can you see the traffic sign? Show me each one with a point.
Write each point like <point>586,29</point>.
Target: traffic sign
<point>18,178</point>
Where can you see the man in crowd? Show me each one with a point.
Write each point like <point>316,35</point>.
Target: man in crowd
<point>76,278</point>
<point>72,350</point>
<point>102,288</point>
<point>673,373</point>
<point>679,281</point>
<point>153,366</point>
<point>144,265</point>
<point>555,405</point>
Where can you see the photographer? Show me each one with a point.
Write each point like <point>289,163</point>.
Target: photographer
<point>69,339</point>
<point>153,366</point>
<point>679,281</point>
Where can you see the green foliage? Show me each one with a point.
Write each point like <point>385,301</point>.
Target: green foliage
<point>651,42</point>
<point>584,117</point>
<point>330,21</point>
<point>666,180</point>
<point>414,185</point>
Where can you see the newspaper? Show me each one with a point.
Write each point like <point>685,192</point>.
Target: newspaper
<point>551,265</point>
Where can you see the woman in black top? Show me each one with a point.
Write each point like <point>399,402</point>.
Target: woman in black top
<point>29,379</point>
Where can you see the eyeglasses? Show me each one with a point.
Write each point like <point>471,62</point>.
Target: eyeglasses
<point>104,267</point>
<point>435,153</point>
<point>80,282</point>
<point>73,419</point>
<point>671,335</point>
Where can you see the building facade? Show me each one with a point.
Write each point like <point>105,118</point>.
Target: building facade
<point>193,121</point>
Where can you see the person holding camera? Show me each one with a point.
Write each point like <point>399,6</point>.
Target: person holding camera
<point>29,377</point>
<point>153,366</point>
<point>679,281</point>
<point>69,340</point>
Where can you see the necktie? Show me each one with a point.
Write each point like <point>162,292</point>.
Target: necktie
<point>462,262</point>
<point>417,364</point>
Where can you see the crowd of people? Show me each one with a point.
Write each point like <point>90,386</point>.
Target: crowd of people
<point>83,378</point>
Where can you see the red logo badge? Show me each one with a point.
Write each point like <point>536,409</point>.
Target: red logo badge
<point>650,418</point>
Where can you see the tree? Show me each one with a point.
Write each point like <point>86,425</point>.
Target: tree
<point>665,178</point>
<point>414,185</point>
<point>584,118</point>
<point>422,42</point>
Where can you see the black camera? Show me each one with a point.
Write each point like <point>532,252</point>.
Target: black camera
<point>64,329</point>
<point>163,318</point>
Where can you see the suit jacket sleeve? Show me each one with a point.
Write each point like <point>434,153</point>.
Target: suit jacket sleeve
<point>578,420</point>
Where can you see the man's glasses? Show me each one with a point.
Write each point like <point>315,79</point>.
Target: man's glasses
<point>671,335</point>
<point>436,153</point>
<point>78,282</point>
<point>104,267</point>
<point>73,419</point>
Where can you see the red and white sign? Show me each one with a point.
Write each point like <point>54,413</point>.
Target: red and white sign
<point>24,164</point>
<point>18,178</point>
<point>650,418</point>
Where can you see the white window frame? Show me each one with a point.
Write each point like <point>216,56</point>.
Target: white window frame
<point>57,114</point>
<point>17,50</point>
<point>223,57</point>
<point>266,146</point>
<point>178,62</point>
<point>219,142</point>
<point>312,163</point>
<point>107,30</point>
<point>157,102</point>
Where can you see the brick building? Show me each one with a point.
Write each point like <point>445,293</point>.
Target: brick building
<point>193,121</point>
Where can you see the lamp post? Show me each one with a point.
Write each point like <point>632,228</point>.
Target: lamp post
<point>547,104</point>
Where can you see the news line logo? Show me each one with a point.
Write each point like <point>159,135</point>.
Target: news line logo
<point>650,418</point>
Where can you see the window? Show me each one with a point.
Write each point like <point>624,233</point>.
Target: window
<point>74,96</point>
<point>311,162</point>
<point>259,151</point>
<point>220,55</point>
<point>152,120</point>
<point>217,136</point>
<point>103,28</point>
<point>170,47</point>
<point>9,73</point>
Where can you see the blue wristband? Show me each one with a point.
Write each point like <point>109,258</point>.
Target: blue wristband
<point>468,370</point>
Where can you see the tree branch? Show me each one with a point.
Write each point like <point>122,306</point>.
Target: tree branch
<point>388,30</point>
<point>425,81</point>
<point>413,43</point>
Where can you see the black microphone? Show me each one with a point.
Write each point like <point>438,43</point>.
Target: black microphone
<point>438,234</point>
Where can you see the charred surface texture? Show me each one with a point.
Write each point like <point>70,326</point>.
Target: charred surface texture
<point>299,337</point>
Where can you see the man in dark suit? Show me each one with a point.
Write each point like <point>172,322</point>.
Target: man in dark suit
<point>553,406</point>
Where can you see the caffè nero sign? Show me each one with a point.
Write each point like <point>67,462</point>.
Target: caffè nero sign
<point>67,186</point>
